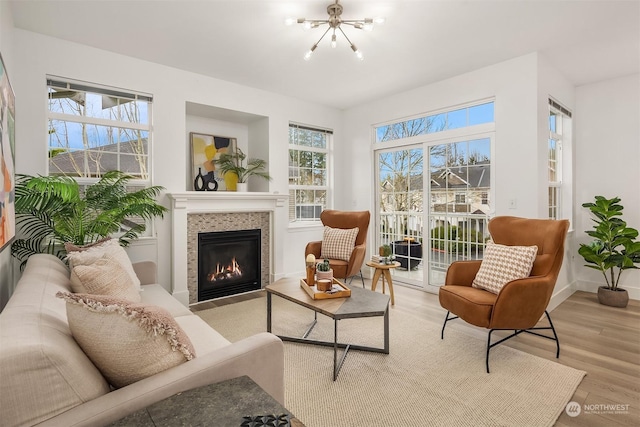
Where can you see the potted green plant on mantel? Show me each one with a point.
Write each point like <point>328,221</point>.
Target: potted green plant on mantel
<point>614,249</point>
<point>235,163</point>
<point>52,210</point>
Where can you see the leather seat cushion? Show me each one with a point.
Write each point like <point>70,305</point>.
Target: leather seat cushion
<point>470,304</point>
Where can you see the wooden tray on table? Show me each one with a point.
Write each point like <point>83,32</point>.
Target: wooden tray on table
<point>338,290</point>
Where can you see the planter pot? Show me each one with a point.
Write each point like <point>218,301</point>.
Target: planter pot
<point>617,298</point>
<point>408,254</point>
<point>242,187</point>
<point>324,274</point>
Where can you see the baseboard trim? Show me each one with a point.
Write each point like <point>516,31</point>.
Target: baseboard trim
<point>560,295</point>
<point>587,286</point>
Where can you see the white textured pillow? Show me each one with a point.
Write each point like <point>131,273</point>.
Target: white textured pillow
<point>338,243</point>
<point>87,255</point>
<point>501,264</point>
<point>107,277</point>
<point>126,341</point>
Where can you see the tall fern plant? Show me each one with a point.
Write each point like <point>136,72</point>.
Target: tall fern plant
<point>52,210</point>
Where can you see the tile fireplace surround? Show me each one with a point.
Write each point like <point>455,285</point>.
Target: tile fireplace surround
<point>193,212</point>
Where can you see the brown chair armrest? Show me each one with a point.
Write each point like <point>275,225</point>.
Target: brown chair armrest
<point>521,304</point>
<point>356,260</point>
<point>462,273</point>
<point>314,248</point>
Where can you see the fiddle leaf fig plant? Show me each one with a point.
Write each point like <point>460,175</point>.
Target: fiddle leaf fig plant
<point>614,248</point>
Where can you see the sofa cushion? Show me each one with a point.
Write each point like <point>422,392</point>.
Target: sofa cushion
<point>126,341</point>
<point>157,295</point>
<point>87,255</point>
<point>43,371</point>
<point>338,243</point>
<point>205,339</point>
<point>106,276</point>
<point>502,264</point>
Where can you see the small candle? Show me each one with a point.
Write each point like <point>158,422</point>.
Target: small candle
<point>311,259</point>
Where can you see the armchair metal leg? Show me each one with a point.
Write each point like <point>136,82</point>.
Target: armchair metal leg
<point>361,278</point>
<point>519,331</point>
<point>447,318</point>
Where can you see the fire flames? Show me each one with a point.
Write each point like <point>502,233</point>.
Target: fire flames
<point>230,271</point>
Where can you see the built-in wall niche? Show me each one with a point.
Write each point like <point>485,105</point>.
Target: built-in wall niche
<point>251,132</point>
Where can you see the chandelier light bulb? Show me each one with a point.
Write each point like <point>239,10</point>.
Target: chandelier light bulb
<point>290,21</point>
<point>379,21</point>
<point>307,56</point>
<point>306,25</point>
<point>357,52</point>
<point>334,43</point>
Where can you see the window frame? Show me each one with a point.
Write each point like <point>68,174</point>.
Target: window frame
<point>138,182</point>
<point>558,143</point>
<point>93,88</point>
<point>296,221</point>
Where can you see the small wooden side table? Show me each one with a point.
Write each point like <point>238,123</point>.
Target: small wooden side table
<point>383,270</point>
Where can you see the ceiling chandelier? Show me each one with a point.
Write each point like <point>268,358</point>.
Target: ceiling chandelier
<point>334,25</point>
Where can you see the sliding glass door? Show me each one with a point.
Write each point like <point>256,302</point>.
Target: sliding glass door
<point>430,221</point>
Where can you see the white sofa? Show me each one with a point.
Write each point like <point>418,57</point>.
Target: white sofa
<point>46,379</point>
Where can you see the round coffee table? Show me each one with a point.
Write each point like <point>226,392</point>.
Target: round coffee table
<point>383,270</point>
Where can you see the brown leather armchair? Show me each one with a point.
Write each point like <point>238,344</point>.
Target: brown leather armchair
<point>346,220</point>
<point>520,303</point>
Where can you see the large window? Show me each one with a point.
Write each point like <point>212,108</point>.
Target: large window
<point>559,135</point>
<point>434,190</point>
<point>94,129</point>
<point>308,172</point>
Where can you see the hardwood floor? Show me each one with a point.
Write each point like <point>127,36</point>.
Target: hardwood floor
<point>603,341</point>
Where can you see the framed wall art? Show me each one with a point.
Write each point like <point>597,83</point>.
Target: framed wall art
<point>7,159</point>
<point>205,149</point>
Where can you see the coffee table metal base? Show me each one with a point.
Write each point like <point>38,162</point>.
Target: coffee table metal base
<point>335,344</point>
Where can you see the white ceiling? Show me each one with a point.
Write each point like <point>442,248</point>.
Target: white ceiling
<point>421,42</point>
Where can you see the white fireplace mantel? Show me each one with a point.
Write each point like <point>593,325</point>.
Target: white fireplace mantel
<point>184,203</point>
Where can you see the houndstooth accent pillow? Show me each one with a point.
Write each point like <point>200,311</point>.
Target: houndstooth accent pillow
<point>338,243</point>
<point>501,264</point>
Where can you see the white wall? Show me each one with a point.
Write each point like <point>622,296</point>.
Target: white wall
<point>6,49</point>
<point>553,84</point>
<point>519,159</point>
<point>607,162</point>
<point>37,55</point>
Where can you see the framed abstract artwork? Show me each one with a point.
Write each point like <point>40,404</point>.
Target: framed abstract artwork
<point>205,150</point>
<point>7,159</point>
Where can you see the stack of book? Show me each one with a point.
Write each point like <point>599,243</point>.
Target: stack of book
<point>377,259</point>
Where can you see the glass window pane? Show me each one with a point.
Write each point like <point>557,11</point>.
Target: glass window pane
<point>479,151</point>
<point>479,114</point>
<point>457,119</point>
<point>135,165</point>
<point>66,101</point>
<point>436,123</point>
<point>306,177</point>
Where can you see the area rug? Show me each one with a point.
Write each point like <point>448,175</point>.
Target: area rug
<point>424,381</point>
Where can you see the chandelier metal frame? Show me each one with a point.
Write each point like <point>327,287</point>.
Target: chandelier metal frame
<point>334,23</point>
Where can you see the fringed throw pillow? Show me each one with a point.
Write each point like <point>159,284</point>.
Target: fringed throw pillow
<point>126,341</point>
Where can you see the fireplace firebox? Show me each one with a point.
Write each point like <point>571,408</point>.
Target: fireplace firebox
<point>228,263</point>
